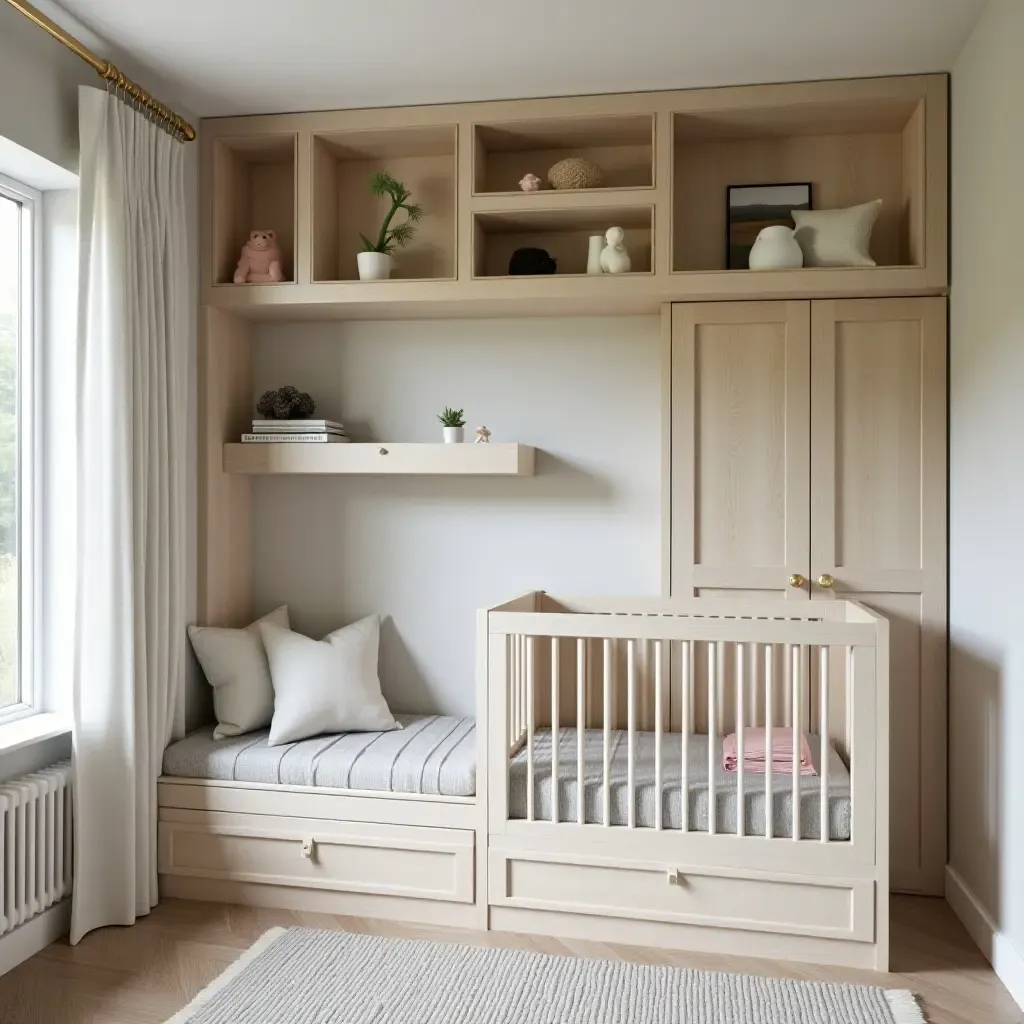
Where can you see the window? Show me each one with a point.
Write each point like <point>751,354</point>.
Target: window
<point>18,263</point>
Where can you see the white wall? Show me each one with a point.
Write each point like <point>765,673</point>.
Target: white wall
<point>39,82</point>
<point>428,552</point>
<point>987,487</point>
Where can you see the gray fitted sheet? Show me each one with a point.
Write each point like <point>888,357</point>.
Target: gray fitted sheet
<point>726,801</point>
<point>430,754</point>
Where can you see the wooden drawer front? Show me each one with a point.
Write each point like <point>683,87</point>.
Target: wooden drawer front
<point>828,908</point>
<point>391,860</point>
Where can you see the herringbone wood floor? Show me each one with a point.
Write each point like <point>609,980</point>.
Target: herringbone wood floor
<point>142,975</point>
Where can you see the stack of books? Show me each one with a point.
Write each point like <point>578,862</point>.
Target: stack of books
<point>295,432</point>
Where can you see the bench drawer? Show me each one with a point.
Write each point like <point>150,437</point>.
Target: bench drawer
<point>722,898</point>
<point>358,857</point>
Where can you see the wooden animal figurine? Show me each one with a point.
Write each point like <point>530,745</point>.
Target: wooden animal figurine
<point>615,259</point>
<point>483,436</point>
<point>260,261</point>
<point>530,183</point>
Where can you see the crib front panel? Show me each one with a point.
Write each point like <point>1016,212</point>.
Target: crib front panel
<point>647,680</point>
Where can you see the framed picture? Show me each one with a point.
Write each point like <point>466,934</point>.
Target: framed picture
<point>749,208</point>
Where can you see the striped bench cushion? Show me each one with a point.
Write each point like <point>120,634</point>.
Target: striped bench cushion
<point>430,754</point>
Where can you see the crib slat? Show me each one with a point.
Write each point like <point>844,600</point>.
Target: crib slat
<point>581,723</point>
<point>555,735</point>
<point>685,725</point>
<point>713,671</point>
<point>769,732</point>
<point>513,735</point>
<point>741,688</point>
<point>529,728</point>
<point>607,751</point>
<point>658,725</point>
<point>823,730</point>
<point>795,673</point>
<point>631,731</point>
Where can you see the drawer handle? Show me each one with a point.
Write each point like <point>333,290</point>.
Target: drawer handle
<point>308,848</point>
<point>382,451</point>
<point>673,877</point>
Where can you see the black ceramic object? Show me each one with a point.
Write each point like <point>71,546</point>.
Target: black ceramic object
<point>531,261</point>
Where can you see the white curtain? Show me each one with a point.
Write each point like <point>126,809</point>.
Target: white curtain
<point>130,505</point>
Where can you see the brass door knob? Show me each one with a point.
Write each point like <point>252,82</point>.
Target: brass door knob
<point>826,581</point>
<point>796,580</point>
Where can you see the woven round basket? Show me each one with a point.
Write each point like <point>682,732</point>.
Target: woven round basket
<point>575,172</point>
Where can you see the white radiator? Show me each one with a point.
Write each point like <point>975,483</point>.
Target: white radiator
<point>35,843</point>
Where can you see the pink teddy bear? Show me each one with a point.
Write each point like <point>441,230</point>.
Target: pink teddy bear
<point>261,259</point>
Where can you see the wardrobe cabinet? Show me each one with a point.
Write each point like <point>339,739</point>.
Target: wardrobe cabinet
<point>808,460</point>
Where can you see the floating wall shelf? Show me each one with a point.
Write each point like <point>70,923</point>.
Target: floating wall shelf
<point>506,459</point>
<point>667,158</point>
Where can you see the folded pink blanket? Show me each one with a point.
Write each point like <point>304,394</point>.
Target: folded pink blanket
<point>755,752</point>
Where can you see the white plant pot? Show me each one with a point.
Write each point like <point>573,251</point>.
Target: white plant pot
<point>454,435</point>
<point>374,266</point>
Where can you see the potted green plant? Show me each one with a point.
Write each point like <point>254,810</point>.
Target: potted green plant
<point>454,423</point>
<point>377,258</point>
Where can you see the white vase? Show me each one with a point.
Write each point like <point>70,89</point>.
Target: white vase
<point>594,254</point>
<point>374,266</point>
<point>454,435</point>
<point>776,248</point>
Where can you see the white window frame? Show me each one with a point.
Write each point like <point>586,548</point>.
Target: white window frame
<point>30,449</point>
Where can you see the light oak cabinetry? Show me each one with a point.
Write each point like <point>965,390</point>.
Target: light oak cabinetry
<point>808,459</point>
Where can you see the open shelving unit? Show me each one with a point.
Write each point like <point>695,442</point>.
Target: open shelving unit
<point>499,459</point>
<point>667,159</point>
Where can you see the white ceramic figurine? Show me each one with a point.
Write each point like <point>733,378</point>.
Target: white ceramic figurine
<point>615,259</point>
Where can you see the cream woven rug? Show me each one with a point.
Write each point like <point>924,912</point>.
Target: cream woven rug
<point>307,976</point>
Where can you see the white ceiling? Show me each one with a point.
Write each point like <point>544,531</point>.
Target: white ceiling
<point>263,56</point>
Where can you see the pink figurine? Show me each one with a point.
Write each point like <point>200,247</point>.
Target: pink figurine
<point>483,436</point>
<point>530,183</point>
<point>261,259</point>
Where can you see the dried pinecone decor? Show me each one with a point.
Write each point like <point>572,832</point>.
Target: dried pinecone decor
<point>286,403</point>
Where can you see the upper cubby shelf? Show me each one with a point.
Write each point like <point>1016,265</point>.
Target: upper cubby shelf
<point>849,151</point>
<point>423,158</point>
<point>667,160</point>
<point>252,187</point>
<point>622,146</point>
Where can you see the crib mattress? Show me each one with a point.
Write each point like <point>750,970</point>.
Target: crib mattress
<point>726,802</point>
<point>430,754</point>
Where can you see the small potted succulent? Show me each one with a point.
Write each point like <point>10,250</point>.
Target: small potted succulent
<point>377,258</point>
<point>454,423</point>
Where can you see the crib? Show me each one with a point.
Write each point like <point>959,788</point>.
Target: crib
<point>610,814</point>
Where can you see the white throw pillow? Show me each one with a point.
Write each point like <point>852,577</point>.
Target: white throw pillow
<point>235,665</point>
<point>325,686</point>
<point>837,238</point>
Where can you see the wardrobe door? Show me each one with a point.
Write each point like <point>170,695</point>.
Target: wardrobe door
<point>878,530</point>
<point>740,447</point>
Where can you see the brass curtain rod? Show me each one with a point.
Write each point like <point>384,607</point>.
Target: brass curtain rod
<point>163,115</point>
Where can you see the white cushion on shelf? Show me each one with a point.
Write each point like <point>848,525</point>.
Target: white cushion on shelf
<point>235,665</point>
<point>837,238</point>
<point>326,686</point>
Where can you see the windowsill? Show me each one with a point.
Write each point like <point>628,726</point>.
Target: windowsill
<point>34,729</point>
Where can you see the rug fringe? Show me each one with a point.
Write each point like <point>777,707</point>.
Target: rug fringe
<point>904,1006</point>
<point>224,979</point>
